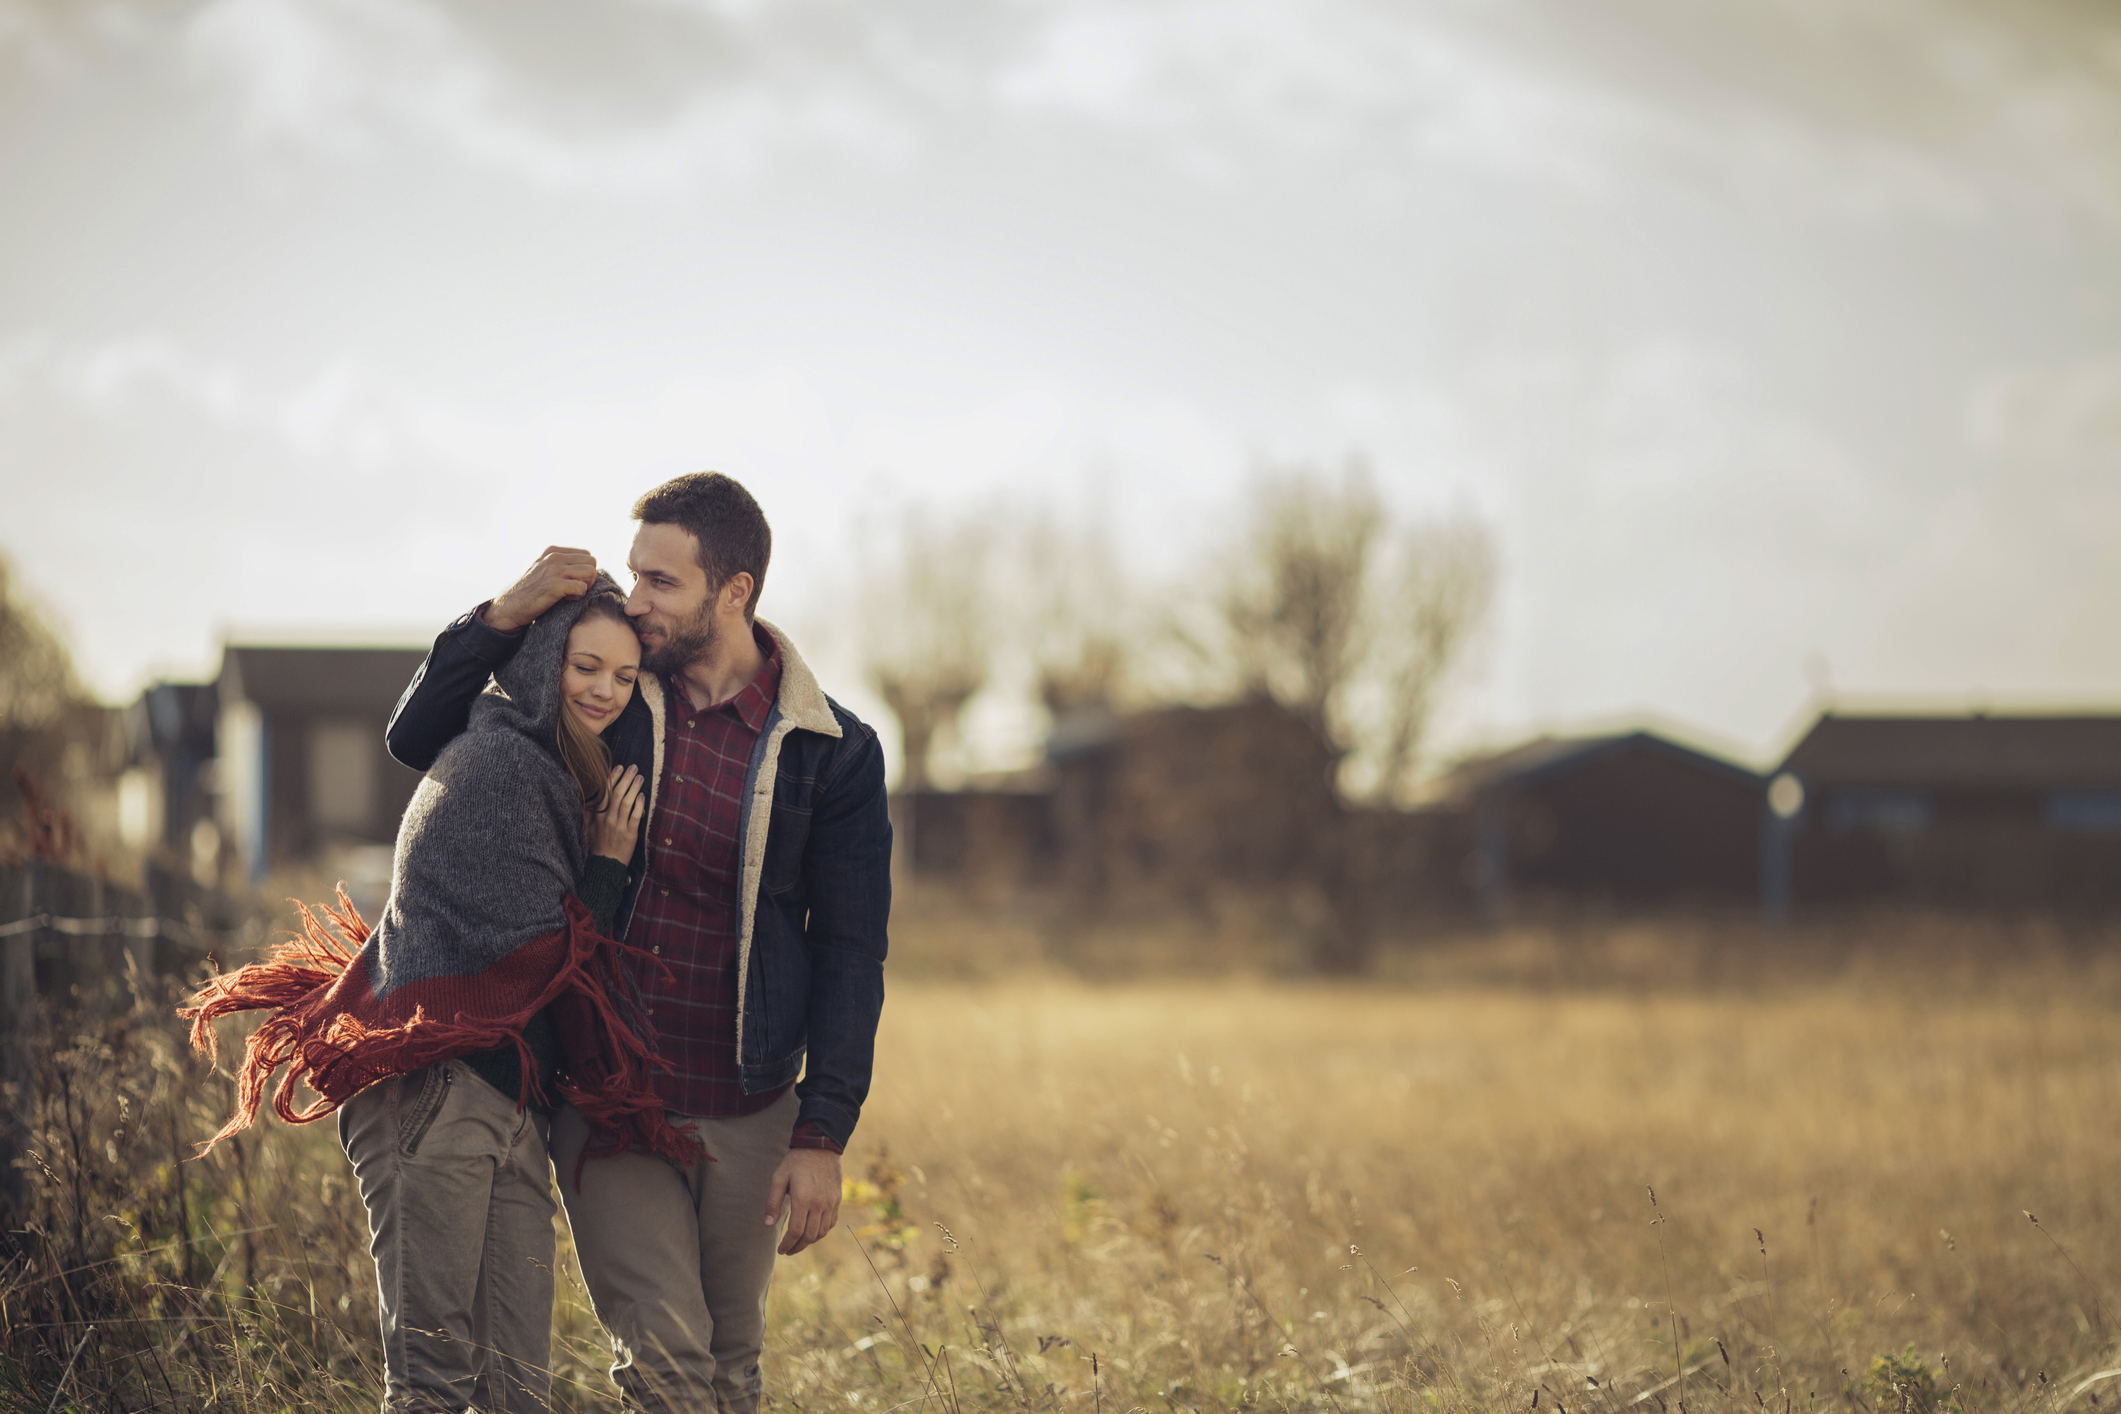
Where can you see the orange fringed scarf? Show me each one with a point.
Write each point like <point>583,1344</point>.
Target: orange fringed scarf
<point>332,1033</point>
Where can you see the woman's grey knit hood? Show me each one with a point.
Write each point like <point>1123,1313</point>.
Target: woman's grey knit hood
<point>529,697</point>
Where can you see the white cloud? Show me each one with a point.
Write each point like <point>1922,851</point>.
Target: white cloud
<point>1674,536</point>
<point>1876,107</point>
<point>350,75</point>
<point>1863,111</point>
<point>2016,579</point>
<point>1855,110</point>
<point>2068,417</point>
<point>1218,85</point>
<point>1226,80</point>
<point>340,412</point>
<point>157,496</point>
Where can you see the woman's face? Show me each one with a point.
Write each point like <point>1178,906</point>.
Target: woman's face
<point>596,681</point>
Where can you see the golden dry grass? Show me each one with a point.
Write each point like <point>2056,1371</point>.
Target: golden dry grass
<point>1173,1177</point>
<point>1236,1194</point>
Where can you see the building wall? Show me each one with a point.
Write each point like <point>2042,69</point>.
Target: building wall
<point>296,783</point>
<point>993,839</point>
<point>333,782</point>
<point>1192,797</point>
<point>1987,849</point>
<point>1638,825</point>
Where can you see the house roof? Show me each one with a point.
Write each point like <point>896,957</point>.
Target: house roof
<point>356,681</point>
<point>174,716</point>
<point>1547,756</point>
<point>1975,751</point>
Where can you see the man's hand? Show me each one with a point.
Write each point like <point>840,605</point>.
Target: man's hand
<point>559,573</point>
<point>809,1182</point>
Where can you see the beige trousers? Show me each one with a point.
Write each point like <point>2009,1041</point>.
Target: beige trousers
<point>459,1200</point>
<point>677,1259</point>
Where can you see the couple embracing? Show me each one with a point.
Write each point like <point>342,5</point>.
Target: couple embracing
<point>634,945</point>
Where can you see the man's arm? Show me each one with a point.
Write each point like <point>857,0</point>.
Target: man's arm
<point>847,868</point>
<point>437,702</point>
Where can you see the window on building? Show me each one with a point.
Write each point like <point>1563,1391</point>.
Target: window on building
<point>342,775</point>
<point>1892,812</point>
<point>2084,812</point>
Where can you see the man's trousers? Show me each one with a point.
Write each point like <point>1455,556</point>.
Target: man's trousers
<point>677,1259</point>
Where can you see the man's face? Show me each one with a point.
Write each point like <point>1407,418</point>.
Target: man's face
<point>670,606</point>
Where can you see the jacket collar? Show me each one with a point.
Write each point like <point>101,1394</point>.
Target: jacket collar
<point>803,703</point>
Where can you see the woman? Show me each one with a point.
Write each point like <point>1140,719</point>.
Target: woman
<point>489,990</point>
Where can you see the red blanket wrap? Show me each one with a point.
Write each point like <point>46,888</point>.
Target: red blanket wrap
<point>335,1037</point>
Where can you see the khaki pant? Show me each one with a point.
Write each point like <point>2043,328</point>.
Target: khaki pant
<point>460,1209</point>
<point>677,1259</point>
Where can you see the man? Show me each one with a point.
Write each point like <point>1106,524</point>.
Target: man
<point>762,886</point>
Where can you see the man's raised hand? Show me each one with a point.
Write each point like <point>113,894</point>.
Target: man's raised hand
<point>559,573</point>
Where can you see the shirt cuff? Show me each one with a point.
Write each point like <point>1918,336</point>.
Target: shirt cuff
<point>812,1135</point>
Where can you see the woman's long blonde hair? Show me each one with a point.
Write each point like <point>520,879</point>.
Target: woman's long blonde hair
<point>583,752</point>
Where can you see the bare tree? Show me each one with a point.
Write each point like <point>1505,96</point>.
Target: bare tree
<point>928,632</point>
<point>43,712</point>
<point>1433,600</point>
<point>37,681</point>
<point>1293,595</point>
<point>1353,629</point>
<point>1075,609</point>
<point>1351,626</point>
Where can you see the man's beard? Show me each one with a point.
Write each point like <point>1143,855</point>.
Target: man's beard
<point>685,643</point>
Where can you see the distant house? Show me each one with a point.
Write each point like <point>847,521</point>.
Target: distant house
<point>1954,812</point>
<point>1977,811</point>
<point>1630,820</point>
<point>166,793</point>
<point>301,767</point>
<point>1188,800</point>
<point>1185,798</point>
<point>1179,799</point>
<point>992,834</point>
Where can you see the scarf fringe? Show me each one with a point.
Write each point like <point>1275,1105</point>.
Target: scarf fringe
<point>623,1111</point>
<point>337,1055</point>
<point>291,984</point>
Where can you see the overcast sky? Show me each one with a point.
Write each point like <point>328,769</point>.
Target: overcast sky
<point>1761,334</point>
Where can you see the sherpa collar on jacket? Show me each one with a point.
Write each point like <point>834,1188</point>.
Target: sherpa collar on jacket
<point>802,701</point>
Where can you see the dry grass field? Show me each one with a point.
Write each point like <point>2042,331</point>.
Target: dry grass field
<point>1202,1195</point>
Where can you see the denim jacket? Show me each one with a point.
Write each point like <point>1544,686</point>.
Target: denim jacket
<point>815,849</point>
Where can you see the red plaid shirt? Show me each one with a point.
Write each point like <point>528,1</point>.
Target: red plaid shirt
<point>691,903</point>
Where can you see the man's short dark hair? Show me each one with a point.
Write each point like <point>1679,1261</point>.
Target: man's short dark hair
<point>727,524</point>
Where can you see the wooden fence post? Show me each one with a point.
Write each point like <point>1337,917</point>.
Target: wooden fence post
<point>19,902</point>
<point>87,953</point>
<point>138,949</point>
